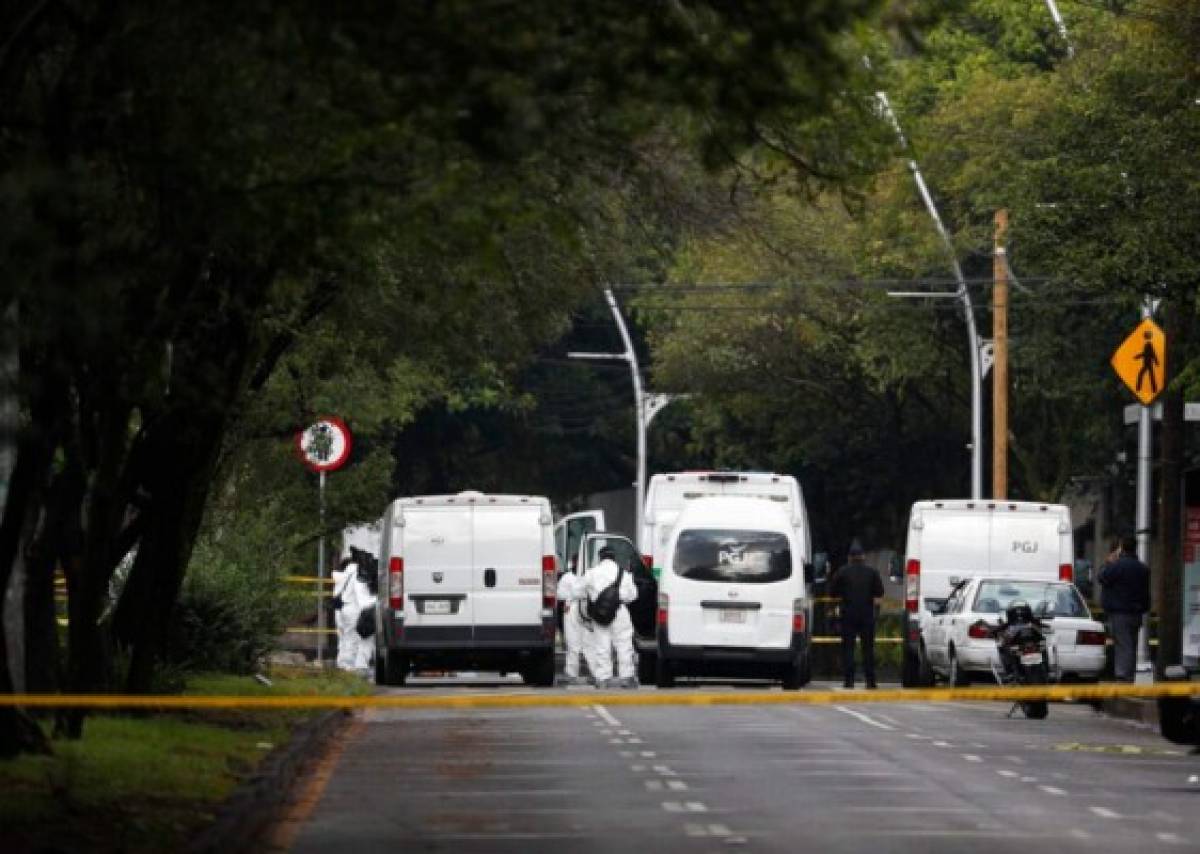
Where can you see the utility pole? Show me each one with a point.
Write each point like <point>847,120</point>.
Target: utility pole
<point>1000,356</point>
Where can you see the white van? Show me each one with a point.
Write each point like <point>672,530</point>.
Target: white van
<point>668,494</point>
<point>467,581</point>
<point>953,539</point>
<point>731,593</point>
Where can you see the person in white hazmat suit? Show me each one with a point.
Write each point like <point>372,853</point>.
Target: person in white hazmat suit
<point>618,635</point>
<point>354,651</point>
<point>576,633</point>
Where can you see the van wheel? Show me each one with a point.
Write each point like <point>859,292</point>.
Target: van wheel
<point>915,671</point>
<point>797,674</point>
<point>540,671</point>
<point>393,668</point>
<point>957,677</point>
<point>646,669</point>
<point>664,673</point>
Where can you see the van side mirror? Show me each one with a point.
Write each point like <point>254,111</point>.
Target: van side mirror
<point>820,566</point>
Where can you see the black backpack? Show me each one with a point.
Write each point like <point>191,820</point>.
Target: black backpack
<point>603,609</point>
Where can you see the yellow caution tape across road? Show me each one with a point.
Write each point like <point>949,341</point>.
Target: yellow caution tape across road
<point>462,700</point>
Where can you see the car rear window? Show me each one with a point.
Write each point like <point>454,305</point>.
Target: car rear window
<point>728,555</point>
<point>995,596</point>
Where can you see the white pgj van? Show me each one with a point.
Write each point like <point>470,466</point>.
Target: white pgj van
<point>668,494</point>
<point>467,581</point>
<point>731,594</point>
<point>952,539</point>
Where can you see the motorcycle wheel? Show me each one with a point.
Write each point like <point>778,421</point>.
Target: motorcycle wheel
<point>1036,709</point>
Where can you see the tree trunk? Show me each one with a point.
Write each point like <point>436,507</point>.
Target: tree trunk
<point>18,732</point>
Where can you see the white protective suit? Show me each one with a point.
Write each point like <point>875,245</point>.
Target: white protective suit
<point>619,634</point>
<point>575,633</point>
<point>354,651</point>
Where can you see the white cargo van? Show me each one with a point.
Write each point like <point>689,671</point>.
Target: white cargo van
<point>731,593</point>
<point>467,581</point>
<point>953,539</point>
<point>668,494</point>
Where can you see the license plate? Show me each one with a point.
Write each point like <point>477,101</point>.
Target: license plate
<point>1031,658</point>
<point>437,606</point>
<point>732,615</point>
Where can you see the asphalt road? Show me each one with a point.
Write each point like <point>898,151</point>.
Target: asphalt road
<point>914,777</point>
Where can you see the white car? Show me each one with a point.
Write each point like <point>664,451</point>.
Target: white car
<point>959,653</point>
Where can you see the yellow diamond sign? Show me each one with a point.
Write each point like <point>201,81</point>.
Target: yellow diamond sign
<point>1141,361</point>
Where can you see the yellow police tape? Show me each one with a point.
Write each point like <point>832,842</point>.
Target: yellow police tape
<point>624,698</point>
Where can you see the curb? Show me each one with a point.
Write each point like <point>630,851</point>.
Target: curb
<point>242,817</point>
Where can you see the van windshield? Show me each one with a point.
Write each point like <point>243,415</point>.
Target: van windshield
<point>753,557</point>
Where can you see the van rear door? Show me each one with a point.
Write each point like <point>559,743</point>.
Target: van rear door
<point>954,543</point>
<point>438,560</point>
<point>1026,544</point>
<point>507,576</point>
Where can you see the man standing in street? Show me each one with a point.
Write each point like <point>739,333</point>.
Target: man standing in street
<point>1125,597</point>
<point>859,588</point>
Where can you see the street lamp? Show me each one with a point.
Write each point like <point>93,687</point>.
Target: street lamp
<point>646,405</point>
<point>962,295</point>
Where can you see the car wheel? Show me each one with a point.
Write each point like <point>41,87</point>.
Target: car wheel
<point>957,677</point>
<point>664,673</point>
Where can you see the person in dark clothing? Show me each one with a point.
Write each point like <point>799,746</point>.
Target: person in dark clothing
<point>1125,597</point>
<point>859,588</point>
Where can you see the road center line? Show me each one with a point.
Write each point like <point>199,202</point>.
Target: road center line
<point>864,718</point>
<point>607,715</point>
<point>1105,812</point>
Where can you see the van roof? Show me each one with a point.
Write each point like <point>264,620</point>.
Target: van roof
<point>471,497</point>
<point>730,511</point>
<point>723,477</point>
<point>984,505</point>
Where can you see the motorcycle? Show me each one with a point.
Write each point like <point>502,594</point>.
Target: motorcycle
<point>1024,655</point>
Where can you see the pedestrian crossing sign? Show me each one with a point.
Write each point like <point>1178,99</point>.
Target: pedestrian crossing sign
<point>1141,361</point>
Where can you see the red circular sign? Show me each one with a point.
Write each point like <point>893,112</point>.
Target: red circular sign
<point>325,446</point>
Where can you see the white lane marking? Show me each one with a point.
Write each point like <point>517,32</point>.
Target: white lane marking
<point>1105,812</point>
<point>718,830</point>
<point>654,785</point>
<point>635,741</point>
<point>1172,838</point>
<point>665,771</point>
<point>1004,772</point>
<point>684,806</point>
<point>889,720</point>
<point>906,809</point>
<point>864,718</point>
<point>1016,760</point>
<point>978,746</point>
<point>607,715</point>
<point>1052,790</point>
<point>649,754</point>
<point>677,785</point>
<point>1029,779</point>
<point>971,757</point>
<point>942,744</point>
<point>616,741</point>
<point>917,735</point>
<point>637,769</point>
<point>624,732</point>
<point>1080,833</point>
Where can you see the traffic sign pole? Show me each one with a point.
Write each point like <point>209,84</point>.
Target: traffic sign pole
<point>321,570</point>
<point>1145,438</point>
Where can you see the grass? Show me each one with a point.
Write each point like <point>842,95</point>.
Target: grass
<point>149,782</point>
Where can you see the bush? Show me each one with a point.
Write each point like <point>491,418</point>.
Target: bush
<point>233,607</point>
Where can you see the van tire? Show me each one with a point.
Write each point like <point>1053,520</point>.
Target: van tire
<point>540,671</point>
<point>664,673</point>
<point>798,674</point>
<point>390,669</point>
<point>646,669</point>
